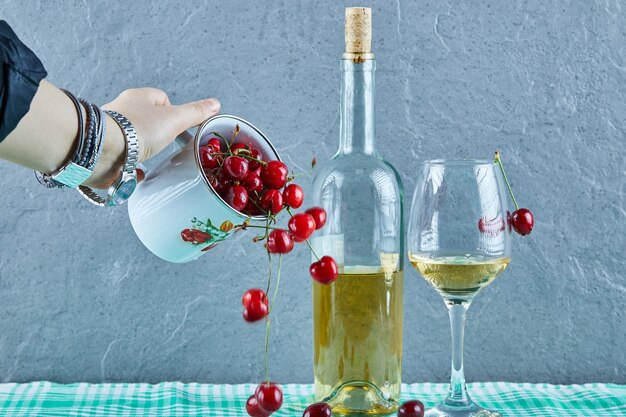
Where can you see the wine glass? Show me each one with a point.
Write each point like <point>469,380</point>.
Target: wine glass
<point>459,240</point>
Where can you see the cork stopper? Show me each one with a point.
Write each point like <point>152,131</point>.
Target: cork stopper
<point>358,33</point>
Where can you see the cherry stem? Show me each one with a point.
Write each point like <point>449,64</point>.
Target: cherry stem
<point>280,261</point>
<point>267,320</point>
<point>267,344</point>
<point>243,155</point>
<point>269,273</point>
<point>499,162</point>
<point>312,251</point>
<point>263,227</point>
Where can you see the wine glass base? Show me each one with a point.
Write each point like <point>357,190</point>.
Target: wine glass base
<point>470,410</point>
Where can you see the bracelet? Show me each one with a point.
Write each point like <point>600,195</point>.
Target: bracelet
<point>88,148</point>
<point>91,131</point>
<point>97,145</point>
<point>55,180</point>
<point>124,186</point>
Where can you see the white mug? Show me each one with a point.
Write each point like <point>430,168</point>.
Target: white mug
<point>175,212</point>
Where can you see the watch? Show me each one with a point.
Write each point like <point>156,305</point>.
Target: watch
<point>121,190</point>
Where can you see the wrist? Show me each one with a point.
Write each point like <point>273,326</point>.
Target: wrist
<point>111,160</point>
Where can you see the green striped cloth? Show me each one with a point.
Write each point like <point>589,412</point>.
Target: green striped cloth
<point>178,399</point>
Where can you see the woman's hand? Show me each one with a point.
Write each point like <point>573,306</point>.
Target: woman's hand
<point>157,123</point>
<point>46,136</point>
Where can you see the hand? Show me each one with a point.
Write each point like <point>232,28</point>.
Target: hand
<point>157,123</point>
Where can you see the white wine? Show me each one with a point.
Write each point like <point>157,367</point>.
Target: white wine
<point>458,277</point>
<point>358,341</point>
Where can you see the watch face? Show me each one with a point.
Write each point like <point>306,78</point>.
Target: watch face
<point>123,191</point>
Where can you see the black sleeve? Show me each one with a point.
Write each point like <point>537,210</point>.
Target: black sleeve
<point>20,74</point>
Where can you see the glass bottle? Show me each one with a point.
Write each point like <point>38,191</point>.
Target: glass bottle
<point>358,318</point>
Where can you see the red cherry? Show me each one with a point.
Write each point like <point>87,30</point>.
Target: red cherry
<point>252,182</point>
<point>220,185</point>
<point>207,159</point>
<point>253,408</point>
<point>522,221</point>
<point>256,154</point>
<point>235,167</point>
<point>237,147</point>
<point>293,195</point>
<point>319,215</point>
<point>215,144</point>
<point>255,305</point>
<point>412,408</point>
<point>253,294</point>
<point>491,227</point>
<point>272,200</point>
<point>269,396</point>
<point>318,410</point>
<point>324,271</point>
<point>274,174</point>
<point>236,197</point>
<point>279,241</point>
<point>252,207</point>
<point>301,226</point>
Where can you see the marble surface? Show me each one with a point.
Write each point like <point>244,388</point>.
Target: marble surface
<point>82,300</point>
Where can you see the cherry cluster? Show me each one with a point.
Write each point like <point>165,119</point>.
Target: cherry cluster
<point>254,186</point>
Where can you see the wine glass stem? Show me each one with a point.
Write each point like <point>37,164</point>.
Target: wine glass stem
<point>457,394</point>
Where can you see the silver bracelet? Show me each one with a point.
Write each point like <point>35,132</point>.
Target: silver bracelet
<point>125,185</point>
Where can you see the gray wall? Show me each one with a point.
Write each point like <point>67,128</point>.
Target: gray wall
<point>81,299</point>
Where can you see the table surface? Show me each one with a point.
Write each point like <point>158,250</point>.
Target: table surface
<point>178,399</point>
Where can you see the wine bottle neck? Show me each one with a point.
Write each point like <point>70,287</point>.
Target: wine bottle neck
<point>357,107</point>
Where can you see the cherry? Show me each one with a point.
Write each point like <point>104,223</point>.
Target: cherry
<point>215,144</point>
<point>256,154</point>
<point>252,182</point>
<point>237,147</point>
<point>269,396</point>
<point>522,221</point>
<point>253,408</point>
<point>411,408</point>
<point>319,215</point>
<point>324,271</point>
<point>236,197</point>
<point>301,226</point>
<point>255,305</point>
<point>207,159</point>
<point>252,207</point>
<point>235,167</point>
<point>318,410</point>
<point>220,185</point>
<point>272,200</point>
<point>274,174</point>
<point>279,241</point>
<point>491,227</point>
<point>293,195</point>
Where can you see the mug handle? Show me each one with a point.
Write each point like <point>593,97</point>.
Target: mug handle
<point>182,140</point>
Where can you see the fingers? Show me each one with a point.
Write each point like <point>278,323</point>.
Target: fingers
<point>192,114</point>
<point>146,94</point>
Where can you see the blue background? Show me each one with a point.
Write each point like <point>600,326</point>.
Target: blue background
<point>81,299</point>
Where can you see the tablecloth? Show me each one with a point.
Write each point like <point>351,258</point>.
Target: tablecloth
<point>179,399</point>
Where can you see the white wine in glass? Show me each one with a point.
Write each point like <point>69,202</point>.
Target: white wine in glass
<point>458,277</point>
<point>459,241</point>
